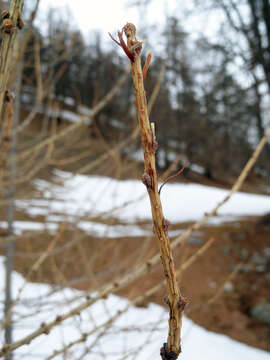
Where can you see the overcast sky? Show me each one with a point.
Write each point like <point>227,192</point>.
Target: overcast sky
<point>109,16</point>
<point>104,15</point>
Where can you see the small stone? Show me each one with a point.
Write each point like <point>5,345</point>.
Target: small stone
<point>226,250</point>
<point>212,284</point>
<point>244,253</point>
<point>195,241</point>
<point>261,312</point>
<point>239,236</point>
<point>260,268</point>
<point>264,221</point>
<point>146,180</point>
<point>266,252</point>
<point>228,287</point>
<point>245,268</point>
<point>258,259</point>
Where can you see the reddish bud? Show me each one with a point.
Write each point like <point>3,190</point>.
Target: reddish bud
<point>146,180</point>
<point>7,26</point>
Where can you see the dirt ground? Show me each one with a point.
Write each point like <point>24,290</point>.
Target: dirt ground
<point>84,262</point>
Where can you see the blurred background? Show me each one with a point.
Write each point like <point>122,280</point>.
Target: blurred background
<point>74,216</point>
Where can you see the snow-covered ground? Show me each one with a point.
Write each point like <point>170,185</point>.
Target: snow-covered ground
<point>136,334</point>
<point>79,198</point>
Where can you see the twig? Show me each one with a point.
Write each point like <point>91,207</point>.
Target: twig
<point>7,45</point>
<point>173,176</point>
<point>8,114</point>
<point>147,64</point>
<point>176,302</point>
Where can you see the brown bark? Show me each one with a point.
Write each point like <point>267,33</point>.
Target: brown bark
<point>176,303</point>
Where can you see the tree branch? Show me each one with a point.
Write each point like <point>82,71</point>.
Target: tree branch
<point>171,349</point>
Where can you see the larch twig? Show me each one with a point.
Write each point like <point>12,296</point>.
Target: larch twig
<point>171,349</point>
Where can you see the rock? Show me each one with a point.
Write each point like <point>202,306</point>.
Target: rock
<point>266,252</point>
<point>228,287</point>
<point>244,254</point>
<point>259,259</point>
<point>264,221</point>
<point>238,236</point>
<point>260,268</point>
<point>245,268</point>
<point>261,312</point>
<point>195,241</point>
<point>212,284</point>
<point>226,250</point>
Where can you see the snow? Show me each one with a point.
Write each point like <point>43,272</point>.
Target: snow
<point>197,168</point>
<point>138,331</point>
<point>20,226</point>
<point>70,116</point>
<point>69,101</point>
<point>117,124</point>
<point>84,110</point>
<point>98,229</point>
<point>67,115</point>
<point>82,196</point>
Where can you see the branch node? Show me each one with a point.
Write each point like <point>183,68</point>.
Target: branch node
<point>165,224</point>
<point>168,355</point>
<point>7,26</point>
<point>166,300</point>
<point>182,302</point>
<point>58,318</point>
<point>146,180</point>
<point>5,348</point>
<point>20,23</point>
<point>9,96</point>
<point>45,328</point>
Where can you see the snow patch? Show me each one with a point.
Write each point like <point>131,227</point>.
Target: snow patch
<point>138,331</point>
